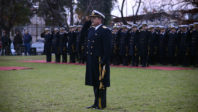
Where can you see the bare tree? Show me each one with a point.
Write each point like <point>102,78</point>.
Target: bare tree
<point>135,13</point>
<point>121,11</point>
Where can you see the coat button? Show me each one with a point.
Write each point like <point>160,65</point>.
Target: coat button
<point>91,53</point>
<point>92,47</point>
<point>87,53</point>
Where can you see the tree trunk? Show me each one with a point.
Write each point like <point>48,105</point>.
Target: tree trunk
<point>140,1</point>
<point>72,13</point>
<point>121,11</point>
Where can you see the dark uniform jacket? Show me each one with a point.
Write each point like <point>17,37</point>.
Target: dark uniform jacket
<point>143,37</point>
<point>172,43</point>
<point>72,42</point>
<point>48,42</point>
<point>57,43</point>
<point>162,42</point>
<point>184,40</point>
<point>133,42</point>
<point>124,43</point>
<point>98,45</point>
<point>194,43</point>
<point>63,43</point>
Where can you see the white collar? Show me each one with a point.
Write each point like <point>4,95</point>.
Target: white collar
<point>97,26</point>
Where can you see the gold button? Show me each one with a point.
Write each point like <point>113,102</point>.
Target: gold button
<point>91,46</point>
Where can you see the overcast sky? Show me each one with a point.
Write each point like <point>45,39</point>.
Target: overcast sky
<point>149,4</point>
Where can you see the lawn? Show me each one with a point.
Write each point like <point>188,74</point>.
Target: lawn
<point>60,88</point>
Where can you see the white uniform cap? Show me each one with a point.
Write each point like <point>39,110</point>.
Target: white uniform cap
<point>97,13</point>
<point>56,29</point>
<point>46,29</point>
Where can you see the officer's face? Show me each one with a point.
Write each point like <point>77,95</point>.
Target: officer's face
<point>96,21</point>
<point>173,30</point>
<point>4,33</point>
<point>162,30</point>
<point>184,29</point>
<point>196,27</point>
<point>144,27</point>
<point>134,29</point>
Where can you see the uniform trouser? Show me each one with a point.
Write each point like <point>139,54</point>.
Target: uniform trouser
<point>48,56</point>
<point>161,55</point>
<point>57,56</point>
<point>194,55</point>
<point>81,57</point>
<point>100,97</point>
<point>72,58</point>
<point>64,57</point>
<point>125,60</point>
<point>143,60</point>
<point>115,59</point>
<point>134,60</point>
<point>171,57</point>
<point>184,60</point>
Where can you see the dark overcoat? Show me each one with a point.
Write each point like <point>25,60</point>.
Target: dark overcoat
<point>98,45</point>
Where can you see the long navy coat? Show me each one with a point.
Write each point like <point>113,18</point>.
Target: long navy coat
<point>98,45</point>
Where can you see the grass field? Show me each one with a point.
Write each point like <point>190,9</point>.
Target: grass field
<point>60,88</point>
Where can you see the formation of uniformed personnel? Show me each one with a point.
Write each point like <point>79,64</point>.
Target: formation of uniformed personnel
<point>157,44</point>
<point>98,53</point>
<point>141,45</point>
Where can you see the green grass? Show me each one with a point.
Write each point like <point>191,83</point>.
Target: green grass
<point>60,88</point>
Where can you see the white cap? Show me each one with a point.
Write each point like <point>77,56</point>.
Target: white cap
<point>62,28</point>
<point>97,13</point>
<point>46,29</point>
<point>56,29</point>
<point>150,26</point>
<point>195,23</point>
<point>134,25</point>
<point>183,26</point>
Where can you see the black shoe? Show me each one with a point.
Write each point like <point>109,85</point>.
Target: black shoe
<point>99,108</point>
<point>90,107</point>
